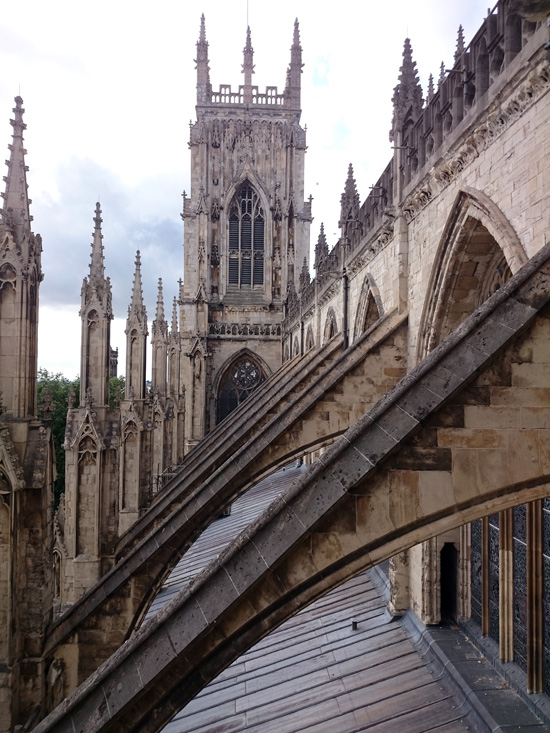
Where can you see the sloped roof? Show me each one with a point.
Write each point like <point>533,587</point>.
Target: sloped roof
<point>316,672</point>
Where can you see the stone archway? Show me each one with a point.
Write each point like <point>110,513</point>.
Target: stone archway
<point>331,326</point>
<point>369,308</point>
<point>478,252</point>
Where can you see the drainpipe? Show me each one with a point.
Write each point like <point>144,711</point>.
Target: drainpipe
<point>345,287</point>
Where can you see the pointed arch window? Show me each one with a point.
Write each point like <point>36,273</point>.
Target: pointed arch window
<point>246,239</point>
<point>238,383</point>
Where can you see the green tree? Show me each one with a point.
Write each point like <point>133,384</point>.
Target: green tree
<point>53,402</point>
<point>116,390</point>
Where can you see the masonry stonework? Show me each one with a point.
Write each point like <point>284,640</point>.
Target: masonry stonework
<point>411,372</point>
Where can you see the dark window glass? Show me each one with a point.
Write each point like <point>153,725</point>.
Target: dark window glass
<point>246,239</point>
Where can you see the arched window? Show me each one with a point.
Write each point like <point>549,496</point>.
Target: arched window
<point>246,239</point>
<point>238,382</point>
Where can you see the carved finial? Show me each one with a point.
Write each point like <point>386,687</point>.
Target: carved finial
<point>16,214</point>
<point>1,402</point>
<point>431,90</point>
<point>350,201</point>
<point>441,74</point>
<point>407,95</point>
<point>70,398</point>
<point>202,33</point>
<point>296,38</point>
<point>118,396</point>
<point>459,43</point>
<point>88,398</point>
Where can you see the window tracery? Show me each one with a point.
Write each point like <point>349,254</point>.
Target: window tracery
<point>237,384</point>
<point>246,239</point>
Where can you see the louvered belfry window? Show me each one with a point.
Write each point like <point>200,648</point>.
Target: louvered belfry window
<point>246,239</point>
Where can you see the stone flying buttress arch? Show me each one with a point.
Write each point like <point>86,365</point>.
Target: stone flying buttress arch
<point>477,242</point>
<point>372,494</point>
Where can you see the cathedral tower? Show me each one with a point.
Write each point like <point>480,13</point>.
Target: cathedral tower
<point>246,234</point>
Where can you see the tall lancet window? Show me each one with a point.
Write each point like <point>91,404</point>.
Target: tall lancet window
<point>246,239</point>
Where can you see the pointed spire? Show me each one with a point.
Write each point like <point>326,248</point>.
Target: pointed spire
<point>137,314</point>
<point>15,214</point>
<point>296,37</point>
<point>97,267</point>
<point>350,202</point>
<point>407,95</point>
<point>159,325</point>
<point>295,69</point>
<point>137,290</point>
<point>441,74</point>
<point>160,338</point>
<point>136,338</point>
<point>305,277</point>
<point>96,313</point>
<point>160,303</point>
<point>204,89</point>
<point>321,248</point>
<point>174,326</point>
<point>459,43</point>
<point>202,32</point>
<point>248,67</point>
<point>431,90</point>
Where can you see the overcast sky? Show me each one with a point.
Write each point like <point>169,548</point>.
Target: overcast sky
<point>109,90</point>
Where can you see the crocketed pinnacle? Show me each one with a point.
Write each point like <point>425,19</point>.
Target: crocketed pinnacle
<point>441,74</point>
<point>136,310</point>
<point>248,58</point>
<point>16,214</point>
<point>294,71</point>
<point>203,69</point>
<point>296,39</point>
<point>202,33</point>
<point>459,43</point>
<point>321,248</point>
<point>174,326</point>
<point>137,290</point>
<point>407,95</point>
<point>350,202</point>
<point>97,267</point>
<point>431,90</point>
<point>159,325</point>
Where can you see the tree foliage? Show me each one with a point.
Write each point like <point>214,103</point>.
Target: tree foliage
<point>53,404</point>
<point>59,387</point>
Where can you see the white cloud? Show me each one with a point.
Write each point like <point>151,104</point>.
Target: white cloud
<point>109,90</point>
